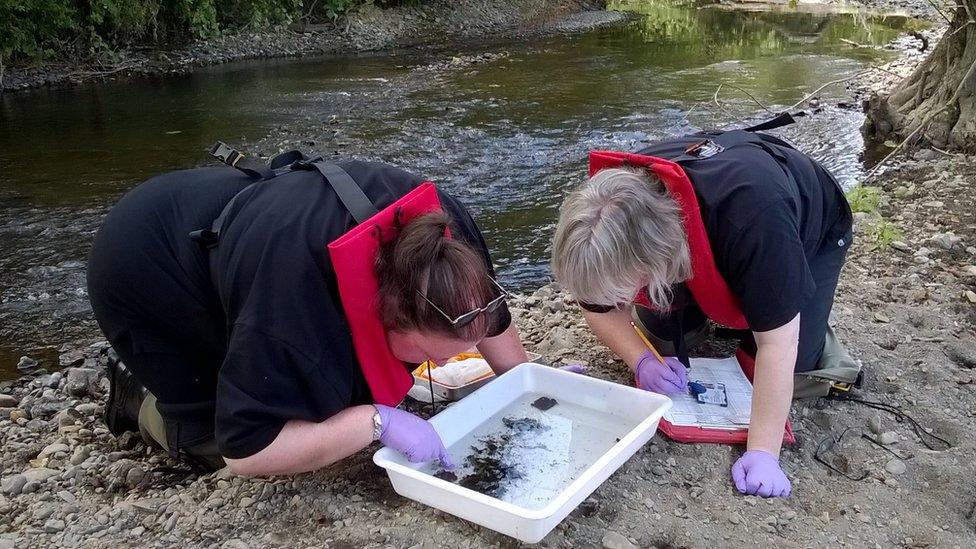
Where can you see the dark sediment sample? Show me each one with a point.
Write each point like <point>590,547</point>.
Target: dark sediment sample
<point>544,403</point>
<point>446,475</point>
<point>490,473</point>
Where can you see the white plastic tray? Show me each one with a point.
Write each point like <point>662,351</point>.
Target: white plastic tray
<point>633,406</point>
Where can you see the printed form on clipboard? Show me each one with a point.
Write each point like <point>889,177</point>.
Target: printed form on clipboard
<point>714,373</point>
<point>720,415</point>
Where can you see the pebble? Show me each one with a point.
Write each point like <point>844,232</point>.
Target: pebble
<point>13,485</point>
<point>658,470</point>
<point>28,366</point>
<point>613,540</point>
<point>53,525</point>
<point>39,475</point>
<point>874,424</point>
<point>80,455</point>
<point>896,466</point>
<point>88,408</point>
<point>43,512</point>
<point>7,401</point>
<point>52,449</point>
<point>888,437</point>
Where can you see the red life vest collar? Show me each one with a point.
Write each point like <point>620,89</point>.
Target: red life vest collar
<point>353,259</point>
<point>711,292</point>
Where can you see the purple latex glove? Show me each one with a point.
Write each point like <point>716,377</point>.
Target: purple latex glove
<point>412,436</point>
<point>757,473</point>
<point>669,378</point>
<point>573,368</point>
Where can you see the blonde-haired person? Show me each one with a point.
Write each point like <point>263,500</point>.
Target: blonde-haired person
<point>776,230</point>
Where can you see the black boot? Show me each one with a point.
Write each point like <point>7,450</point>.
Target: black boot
<point>125,397</point>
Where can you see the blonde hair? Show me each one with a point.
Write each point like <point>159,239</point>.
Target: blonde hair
<point>619,231</point>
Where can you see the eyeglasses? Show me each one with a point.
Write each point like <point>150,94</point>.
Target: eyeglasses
<point>469,316</point>
<point>641,298</point>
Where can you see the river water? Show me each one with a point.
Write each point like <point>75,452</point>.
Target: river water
<point>507,132</point>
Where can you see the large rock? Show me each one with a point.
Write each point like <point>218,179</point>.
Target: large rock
<point>82,382</point>
<point>7,401</point>
<point>41,474</point>
<point>28,366</point>
<point>52,449</point>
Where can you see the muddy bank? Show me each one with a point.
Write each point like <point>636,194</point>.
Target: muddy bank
<point>433,23</point>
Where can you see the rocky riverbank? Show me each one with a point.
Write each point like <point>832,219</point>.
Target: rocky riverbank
<point>432,23</point>
<point>907,310</point>
<point>906,307</point>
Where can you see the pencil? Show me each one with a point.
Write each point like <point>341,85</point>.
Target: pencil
<point>640,334</point>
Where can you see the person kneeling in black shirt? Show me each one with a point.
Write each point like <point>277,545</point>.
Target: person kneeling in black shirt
<point>734,226</point>
<point>245,349</point>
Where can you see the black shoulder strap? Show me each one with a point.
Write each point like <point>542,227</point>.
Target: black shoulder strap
<point>782,119</point>
<point>349,192</point>
<point>346,188</point>
<point>714,143</point>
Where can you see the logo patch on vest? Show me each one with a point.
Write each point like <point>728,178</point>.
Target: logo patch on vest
<point>704,149</point>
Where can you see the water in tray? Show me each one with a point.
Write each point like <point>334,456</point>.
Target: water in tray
<point>526,454</point>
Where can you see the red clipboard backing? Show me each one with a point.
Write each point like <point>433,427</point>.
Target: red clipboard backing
<point>685,433</point>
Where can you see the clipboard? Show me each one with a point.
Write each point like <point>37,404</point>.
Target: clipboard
<point>720,435</point>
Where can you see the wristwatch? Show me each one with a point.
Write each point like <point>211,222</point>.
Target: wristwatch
<point>377,425</point>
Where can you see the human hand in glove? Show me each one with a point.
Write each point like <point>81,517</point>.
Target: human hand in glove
<point>573,368</point>
<point>411,436</point>
<point>757,473</point>
<point>669,378</point>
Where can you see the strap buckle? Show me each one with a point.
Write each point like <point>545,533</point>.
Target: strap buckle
<point>226,154</point>
<point>205,237</point>
<point>705,148</point>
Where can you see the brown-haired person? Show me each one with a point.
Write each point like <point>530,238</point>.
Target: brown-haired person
<point>244,348</point>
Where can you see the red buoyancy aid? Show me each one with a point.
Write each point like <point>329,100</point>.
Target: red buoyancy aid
<point>354,259</point>
<point>711,292</point>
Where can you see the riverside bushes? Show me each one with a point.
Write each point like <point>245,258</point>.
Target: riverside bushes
<point>44,29</point>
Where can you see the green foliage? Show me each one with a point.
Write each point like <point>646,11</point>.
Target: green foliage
<point>881,233</point>
<point>34,28</point>
<point>67,29</point>
<point>864,199</point>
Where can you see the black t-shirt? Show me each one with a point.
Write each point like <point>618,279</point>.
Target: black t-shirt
<point>290,354</point>
<point>765,220</point>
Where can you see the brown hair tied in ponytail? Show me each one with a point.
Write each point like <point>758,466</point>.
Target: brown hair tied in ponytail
<point>423,261</point>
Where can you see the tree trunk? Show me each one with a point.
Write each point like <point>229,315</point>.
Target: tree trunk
<point>929,96</point>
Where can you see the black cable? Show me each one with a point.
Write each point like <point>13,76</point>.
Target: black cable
<point>825,446</point>
<point>430,384</point>
<point>901,415</point>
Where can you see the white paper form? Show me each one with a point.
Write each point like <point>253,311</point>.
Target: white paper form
<point>688,411</point>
